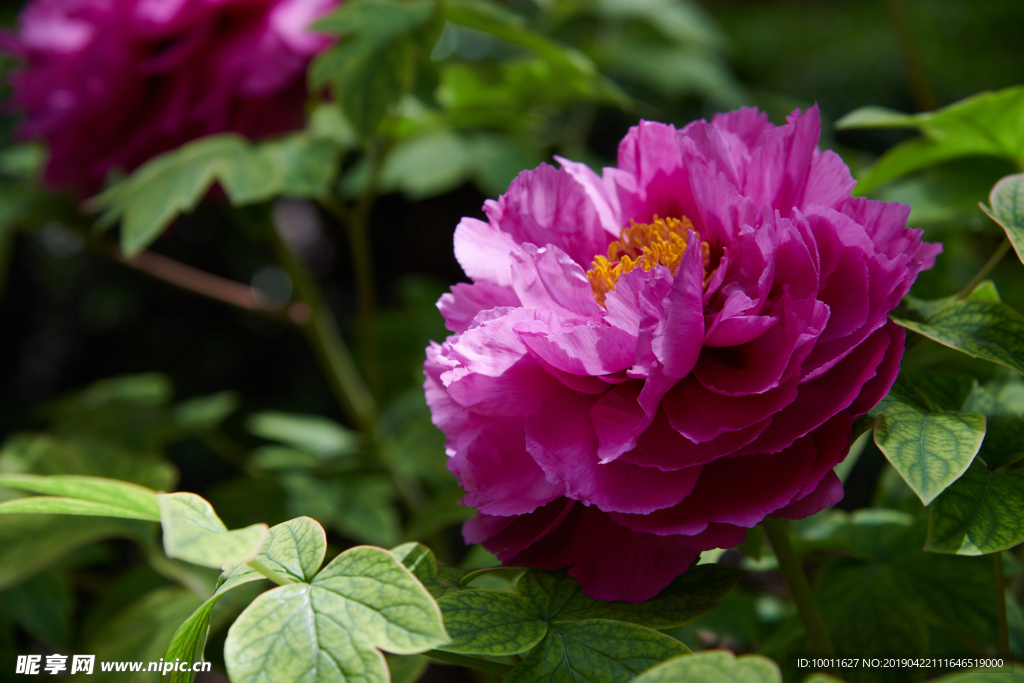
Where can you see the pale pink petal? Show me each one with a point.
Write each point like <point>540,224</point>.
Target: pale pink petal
<point>547,277</point>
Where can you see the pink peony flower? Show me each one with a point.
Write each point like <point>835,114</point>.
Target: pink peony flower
<point>110,83</point>
<point>651,361</point>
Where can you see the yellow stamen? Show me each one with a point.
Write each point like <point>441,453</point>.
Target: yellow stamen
<point>662,242</point>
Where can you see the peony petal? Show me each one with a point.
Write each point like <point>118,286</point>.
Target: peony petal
<point>780,163</point>
<point>762,364</point>
<point>756,485</point>
<point>465,301</point>
<point>737,330</point>
<point>590,349</point>
<point>547,277</point>
<point>708,142</point>
<point>484,252</point>
<point>829,182</point>
<point>586,540</point>
<point>560,437</point>
<point>664,447</point>
<point>875,389</point>
<point>550,206</point>
<point>605,201</point>
<point>701,415</point>
<point>493,372</point>
<point>825,396</point>
<point>746,123</point>
<point>506,536</point>
<point>828,493</point>
<point>498,475</point>
<point>675,344</point>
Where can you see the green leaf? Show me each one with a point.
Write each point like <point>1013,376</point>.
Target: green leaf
<point>194,533</point>
<point>426,165</point>
<point>485,622</point>
<point>140,632</point>
<point>309,433</point>
<point>868,609</point>
<point>45,454</point>
<point>595,650</point>
<point>714,667</point>
<point>987,124</point>
<point>420,560</point>
<point>329,630</point>
<point>1007,200</point>
<point>29,543</point>
<point>406,668</point>
<point>929,448</point>
<point>374,65</point>
<point>898,599</point>
<point>981,328</point>
<point>556,595</point>
<point>168,185</point>
<point>982,512</point>
<point>576,70</point>
<point>205,413</point>
<point>43,606</point>
<point>107,497</point>
<point>175,182</point>
<point>295,548</point>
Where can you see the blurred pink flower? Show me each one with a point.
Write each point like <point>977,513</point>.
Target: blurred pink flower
<point>110,83</point>
<point>651,361</point>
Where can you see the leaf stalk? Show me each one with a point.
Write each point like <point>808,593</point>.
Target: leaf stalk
<point>322,332</point>
<point>795,578</point>
<point>992,262</point>
<point>266,571</point>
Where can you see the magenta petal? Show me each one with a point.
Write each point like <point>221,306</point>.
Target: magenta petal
<point>780,164</point>
<point>828,493</point>
<point>709,144</point>
<point>875,389</point>
<point>664,447</point>
<point>635,292</point>
<point>829,182</point>
<point>506,536</point>
<point>465,301</point>
<point>701,415</point>
<point>610,561</point>
<point>758,485</point>
<point>590,349</point>
<point>738,330</point>
<point>550,206</point>
<point>498,475</point>
<point>484,252</point>
<point>762,364</point>
<point>560,437</point>
<point>825,396</point>
<point>547,277</point>
<point>677,340</point>
<point>492,371</point>
<point>746,123</point>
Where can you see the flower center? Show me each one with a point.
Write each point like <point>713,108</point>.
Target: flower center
<point>662,242</point>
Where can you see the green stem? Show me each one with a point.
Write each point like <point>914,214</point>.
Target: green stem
<point>920,88</point>
<point>993,261</point>
<point>322,331</point>
<point>356,223</point>
<point>798,586</point>
<point>469,662</point>
<point>270,573</point>
<point>1004,632</point>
